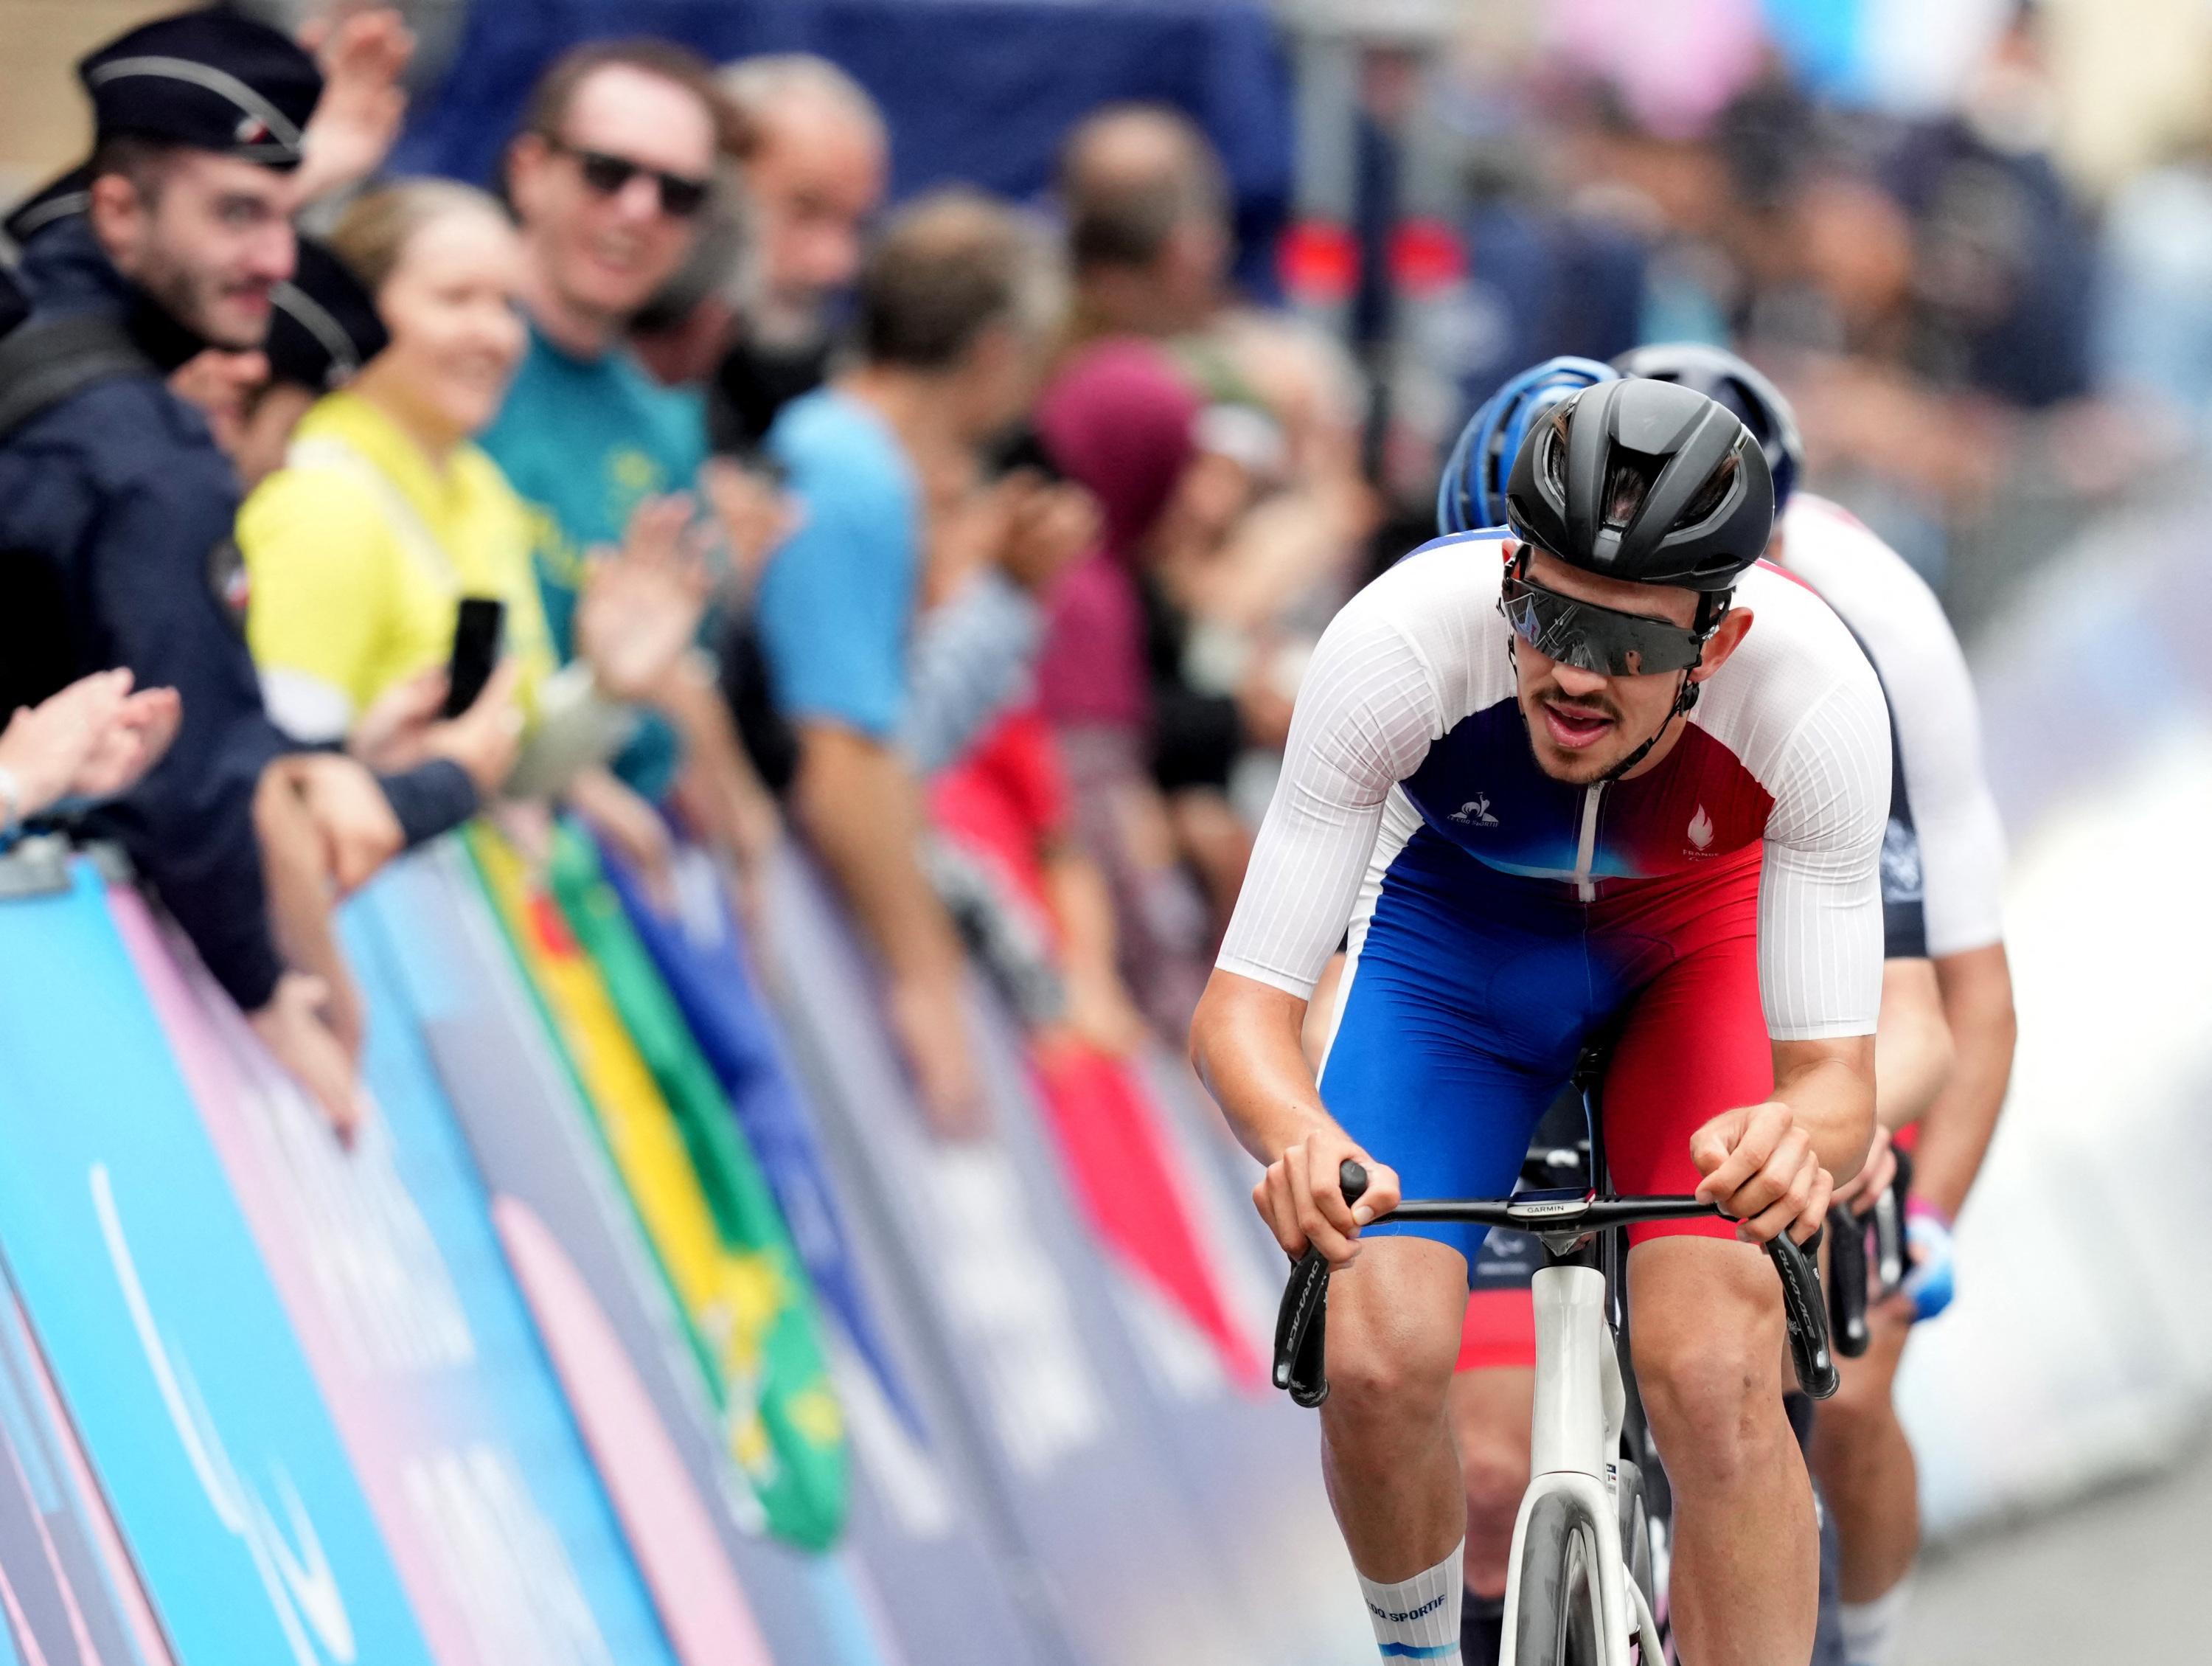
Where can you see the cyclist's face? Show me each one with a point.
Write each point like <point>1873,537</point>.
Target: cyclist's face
<point>1582,723</point>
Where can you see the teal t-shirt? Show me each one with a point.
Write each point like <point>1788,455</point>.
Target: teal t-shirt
<point>585,442</point>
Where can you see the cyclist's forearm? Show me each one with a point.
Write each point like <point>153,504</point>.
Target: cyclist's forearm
<point>1829,1088</point>
<point>1912,1048</point>
<point>1245,1042</point>
<point>1955,1132</point>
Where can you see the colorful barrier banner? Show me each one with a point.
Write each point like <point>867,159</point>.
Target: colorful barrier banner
<point>700,951</point>
<point>991,1247</point>
<point>778,1336</point>
<point>1253,1464</point>
<point>916,1563</point>
<point>779,1413</point>
<point>576,1244</point>
<point>197,1411</point>
<point>68,1594</point>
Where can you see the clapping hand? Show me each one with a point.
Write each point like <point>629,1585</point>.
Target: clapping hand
<point>94,740</point>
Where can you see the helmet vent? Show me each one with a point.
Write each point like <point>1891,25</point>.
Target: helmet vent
<point>1712,494</point>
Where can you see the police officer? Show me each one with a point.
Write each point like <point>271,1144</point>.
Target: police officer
<point>116,506</point>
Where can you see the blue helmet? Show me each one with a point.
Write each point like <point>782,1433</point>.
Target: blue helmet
<point>1472,493</point>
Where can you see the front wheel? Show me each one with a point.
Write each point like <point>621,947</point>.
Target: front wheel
<point>1556,1619</point>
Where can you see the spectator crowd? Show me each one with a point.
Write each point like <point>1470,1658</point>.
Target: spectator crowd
<point>974,547</point>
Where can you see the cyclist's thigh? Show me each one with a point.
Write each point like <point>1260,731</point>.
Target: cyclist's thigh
<point>1692,1044</point>
<point>1461,1019</point>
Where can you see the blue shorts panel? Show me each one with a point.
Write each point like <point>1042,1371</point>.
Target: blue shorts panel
<point>1471,995</point>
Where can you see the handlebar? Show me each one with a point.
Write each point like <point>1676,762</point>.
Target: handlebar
<point>1301,1324</point>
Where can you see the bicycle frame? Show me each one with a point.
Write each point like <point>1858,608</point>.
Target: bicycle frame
<point>1581,1405</point>
<point>1581,1401</point>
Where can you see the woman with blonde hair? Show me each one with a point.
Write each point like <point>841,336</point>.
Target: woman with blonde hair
<point>386,515</point>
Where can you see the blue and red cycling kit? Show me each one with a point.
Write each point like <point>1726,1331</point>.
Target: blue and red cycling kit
<point>1721,899</point>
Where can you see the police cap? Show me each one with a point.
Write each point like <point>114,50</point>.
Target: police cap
<point>213,79</point>
<point>323,325</point>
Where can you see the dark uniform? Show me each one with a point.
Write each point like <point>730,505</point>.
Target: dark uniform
<point>117,507</point>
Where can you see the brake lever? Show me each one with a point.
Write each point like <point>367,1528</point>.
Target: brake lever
<point>1805,1313</point>
<point>1847,1281</point>
<point>1302,1322</point>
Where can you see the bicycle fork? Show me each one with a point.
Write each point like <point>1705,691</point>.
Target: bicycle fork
<point>1580,1406</point>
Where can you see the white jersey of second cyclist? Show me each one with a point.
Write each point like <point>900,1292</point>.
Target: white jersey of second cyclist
<point>1939,734</point>
<point>1409,718</point>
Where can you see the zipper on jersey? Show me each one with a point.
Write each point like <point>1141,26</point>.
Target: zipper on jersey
<point>1586,844</point>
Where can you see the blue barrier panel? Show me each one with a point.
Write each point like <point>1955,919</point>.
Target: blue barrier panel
<point>58,1593</point>
<point>413,1335</point>
<point>517,1106</point>
<point>194,1403</point>
<point>989,1245</point>
<point>519,1396</point>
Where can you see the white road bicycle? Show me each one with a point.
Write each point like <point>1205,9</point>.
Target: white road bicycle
<point>1584,1587</point>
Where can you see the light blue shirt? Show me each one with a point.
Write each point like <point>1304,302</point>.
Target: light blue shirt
<point>836,604</point>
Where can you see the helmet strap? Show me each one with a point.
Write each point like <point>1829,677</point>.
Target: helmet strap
<point>1685,695</point>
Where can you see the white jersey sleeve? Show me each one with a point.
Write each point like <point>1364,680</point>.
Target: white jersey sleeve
<point>1819,893</point>
<point>1931,694</point>
<point>1367,711</point>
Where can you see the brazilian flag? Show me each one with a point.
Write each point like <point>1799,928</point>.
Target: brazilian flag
<point>700,1196</point>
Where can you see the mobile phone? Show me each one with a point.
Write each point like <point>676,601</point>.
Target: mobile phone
<point>475,650</point>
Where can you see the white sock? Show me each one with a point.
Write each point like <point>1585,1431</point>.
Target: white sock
<point>1870,1628</point>
<point>1417,1618</point>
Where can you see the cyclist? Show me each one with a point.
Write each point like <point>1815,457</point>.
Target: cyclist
<point>1655,793</point>
<point>1860,1453</point>
<point>1493,1395</point>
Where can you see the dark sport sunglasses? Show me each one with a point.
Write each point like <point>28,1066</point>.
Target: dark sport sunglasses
<point>681,197</point>
<point>1594,638</point>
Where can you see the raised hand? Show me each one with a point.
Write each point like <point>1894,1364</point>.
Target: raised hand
<point>363,54</point>
<point>639,612</point>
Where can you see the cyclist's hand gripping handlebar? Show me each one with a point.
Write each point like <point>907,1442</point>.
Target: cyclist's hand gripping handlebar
<point>1301,1325</point>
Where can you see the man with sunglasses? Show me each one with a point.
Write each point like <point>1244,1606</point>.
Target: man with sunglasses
<point>618,155</point>
<point>1652,796</point>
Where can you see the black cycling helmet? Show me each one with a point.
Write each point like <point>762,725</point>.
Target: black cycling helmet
<point>1750,398</point>
<point>1647,481</point>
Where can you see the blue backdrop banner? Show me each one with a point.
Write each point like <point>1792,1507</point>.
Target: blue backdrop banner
<point>978,92</point>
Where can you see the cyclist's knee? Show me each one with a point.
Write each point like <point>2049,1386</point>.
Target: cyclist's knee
<point>1708,1332</point>
<point>1394,1328</point>
<point>1409,1382</point>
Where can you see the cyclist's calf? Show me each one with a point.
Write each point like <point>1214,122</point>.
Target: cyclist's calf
<point>1708,1337</point>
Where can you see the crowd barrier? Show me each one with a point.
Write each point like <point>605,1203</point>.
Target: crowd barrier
<point>645,1322</point>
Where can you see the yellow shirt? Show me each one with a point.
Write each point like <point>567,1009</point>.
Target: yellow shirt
<point>359,551</point>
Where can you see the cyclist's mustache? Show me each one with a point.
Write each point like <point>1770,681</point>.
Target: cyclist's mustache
<point>1550,694</point>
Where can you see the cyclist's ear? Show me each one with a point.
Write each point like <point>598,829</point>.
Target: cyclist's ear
<point>1734,625</point>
